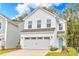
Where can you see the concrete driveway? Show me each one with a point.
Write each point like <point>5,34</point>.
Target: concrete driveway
<point>27,52</point>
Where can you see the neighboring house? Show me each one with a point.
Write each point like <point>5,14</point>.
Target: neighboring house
<point>20,24</point>
<point>42,30</point>
<point>9,33</point>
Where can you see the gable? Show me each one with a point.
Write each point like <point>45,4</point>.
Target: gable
<point>3,18</point>
<point>39,12</point>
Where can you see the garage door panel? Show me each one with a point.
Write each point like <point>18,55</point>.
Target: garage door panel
<point>37,44</point>
<point>43,44</point>
<point>29,44</point>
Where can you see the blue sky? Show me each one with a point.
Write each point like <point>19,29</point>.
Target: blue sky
<point>8,9</point>
<point>13,9</point>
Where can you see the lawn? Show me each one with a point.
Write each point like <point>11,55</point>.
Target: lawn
<point>71,52</point>
<point>7,50</point>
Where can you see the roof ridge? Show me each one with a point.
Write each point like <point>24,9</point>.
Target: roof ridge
<point>8,19</point>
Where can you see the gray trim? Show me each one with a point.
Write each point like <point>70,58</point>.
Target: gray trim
<point>38,30</point>
<point>60,32</point>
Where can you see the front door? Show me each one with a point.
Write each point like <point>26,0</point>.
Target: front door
<point>60,43</point>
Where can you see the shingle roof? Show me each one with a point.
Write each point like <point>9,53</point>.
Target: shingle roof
<point>8,19</point>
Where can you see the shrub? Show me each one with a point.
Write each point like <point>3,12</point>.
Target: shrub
<point>2,47</point>
<point>18,45</point>
<point>53,48</point>
<point>71,52</point>
<point>77,48</point>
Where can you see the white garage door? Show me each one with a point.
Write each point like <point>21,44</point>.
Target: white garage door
<point>37,42</point>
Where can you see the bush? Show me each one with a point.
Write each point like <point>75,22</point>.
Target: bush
<point>53,48</point>
<point>2,47</point>
<point>77,48</point>
<point>18,45</point>
<point>64,49</point>
<point>71,52</point>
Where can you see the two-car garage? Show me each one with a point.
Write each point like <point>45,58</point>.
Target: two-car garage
<point>37,38</point>
<point>37,42</point>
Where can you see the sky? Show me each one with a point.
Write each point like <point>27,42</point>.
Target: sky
<point>12,10</point>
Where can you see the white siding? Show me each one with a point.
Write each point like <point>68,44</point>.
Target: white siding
<point>21,26</point>
<point>3,26</point>
<point>40,15</point>
<point>12,36</point>
<point>3,29</point>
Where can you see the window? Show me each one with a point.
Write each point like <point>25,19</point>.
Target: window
<point>0,25</point>
<point>60,26</point>
<point>27,38</point>
<point>48,23</point>
<point>47,38</point>
<point>30,24</point>
<point>33,38</point>
<point>39,38</point>
<point>0,39</point>
<point>38,23</point>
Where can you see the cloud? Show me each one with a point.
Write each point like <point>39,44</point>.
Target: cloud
<point>41,5</point>
<point>21,8</point>
<point>25,7</point>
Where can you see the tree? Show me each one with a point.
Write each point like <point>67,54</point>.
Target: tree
<point>72,34</point>
<point>75,31</point>
<point>69,33</point>
<point>21,17</point>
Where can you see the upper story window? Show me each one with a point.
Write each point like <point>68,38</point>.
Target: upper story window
<point>38,23</point>
<point>49,23</point>
<point>0,39</point>
<point>0,25</point>
<point>60,26</point>
<point>29,24</point>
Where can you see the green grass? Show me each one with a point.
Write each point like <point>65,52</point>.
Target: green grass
<point>6,51</point>
<point>71,52</point>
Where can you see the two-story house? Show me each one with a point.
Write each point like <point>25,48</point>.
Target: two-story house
<point>42,30</point>
<point>9,33</point>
